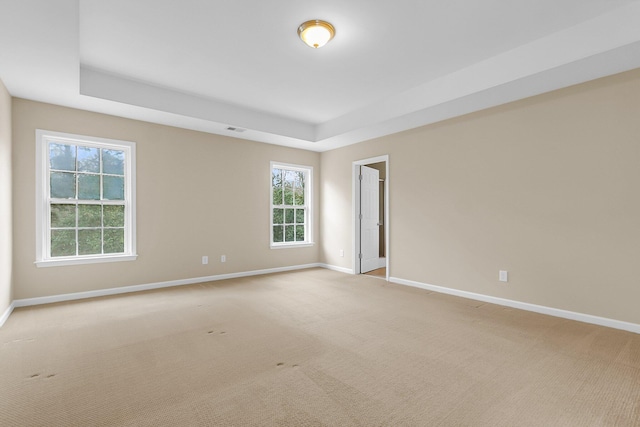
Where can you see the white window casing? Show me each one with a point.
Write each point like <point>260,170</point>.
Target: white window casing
<point>279,241</point>
<point>44,199</point>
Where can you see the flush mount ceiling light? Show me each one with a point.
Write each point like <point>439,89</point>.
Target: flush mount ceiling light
<point>316,33</point>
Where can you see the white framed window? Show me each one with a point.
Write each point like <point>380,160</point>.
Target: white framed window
<point>291,196</point>
<point>85,199</point>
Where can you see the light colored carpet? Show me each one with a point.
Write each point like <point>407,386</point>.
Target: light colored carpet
<point>310,348</point>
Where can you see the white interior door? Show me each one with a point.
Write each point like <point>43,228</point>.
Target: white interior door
<point>369,218</point>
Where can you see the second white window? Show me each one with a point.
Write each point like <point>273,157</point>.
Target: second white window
<point>290,204</point>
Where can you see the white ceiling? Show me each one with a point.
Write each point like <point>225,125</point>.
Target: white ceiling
<point>207,65</point>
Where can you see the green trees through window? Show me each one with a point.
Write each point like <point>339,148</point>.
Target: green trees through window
<point>87,200</point>
<point>289,204</point>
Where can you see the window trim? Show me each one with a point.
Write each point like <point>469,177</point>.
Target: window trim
<point>43,217</point>
<point>308,201</point>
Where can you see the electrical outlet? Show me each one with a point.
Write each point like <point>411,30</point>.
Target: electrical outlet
<point>205,260</point>
<point>223,258</point>
<point>503,276</point>
<point>341,252</point>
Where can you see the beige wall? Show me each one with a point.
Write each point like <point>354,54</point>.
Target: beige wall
<point>547,188</point>
<point>6,232</point>
<point>197,194</point>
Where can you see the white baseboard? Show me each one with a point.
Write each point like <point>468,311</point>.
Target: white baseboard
<point>336,268</point>
<point>137,288</point>
<point>6,313</point>
<point>565,314</point>
<point>587,318</point>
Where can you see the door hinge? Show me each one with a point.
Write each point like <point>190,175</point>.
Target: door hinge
<point>360,255</point>
<point>360,177</point>
<point>360,216</point>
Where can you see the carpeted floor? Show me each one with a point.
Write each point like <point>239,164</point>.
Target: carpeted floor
<point>310,348</point>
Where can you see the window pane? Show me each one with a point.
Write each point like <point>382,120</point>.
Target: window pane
<point>276,183</point>
<point>290,176</point>
<point>277,233</point>
<point>276,177</point>
<point>113,240</point>
<point>89,216</point>
<point>63,243</point>
<point>289,216</point>
<point>113,162</point>
<point>113,216</point>
<point>63,185</point>
<point>62,157</point>
<point>289,233</point>
<point>288,193</point>
<point>88,159</point>
<point>278,216</point>
<point>298,196</point>
<point>300,216</point>
<point>299,233</point>
<point>277,196</point>
<point>89,242</point>
<point>88,187</point>
<point>113,188</point>
<point>63,216</point>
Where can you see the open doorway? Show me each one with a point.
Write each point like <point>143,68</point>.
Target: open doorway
<point>371,216</point>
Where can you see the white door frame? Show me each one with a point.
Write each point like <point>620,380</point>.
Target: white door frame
<point>355,211</point>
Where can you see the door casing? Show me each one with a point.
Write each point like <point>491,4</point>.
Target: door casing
<point>355,211</point>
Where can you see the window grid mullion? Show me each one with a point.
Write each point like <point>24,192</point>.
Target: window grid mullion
<point>77,178</point>
<point>101,168</point>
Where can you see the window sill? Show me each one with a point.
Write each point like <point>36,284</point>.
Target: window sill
<point>77,261</point>
<point>291,245</point>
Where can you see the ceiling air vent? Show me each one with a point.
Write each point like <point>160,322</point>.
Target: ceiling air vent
<point>234,129</point>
